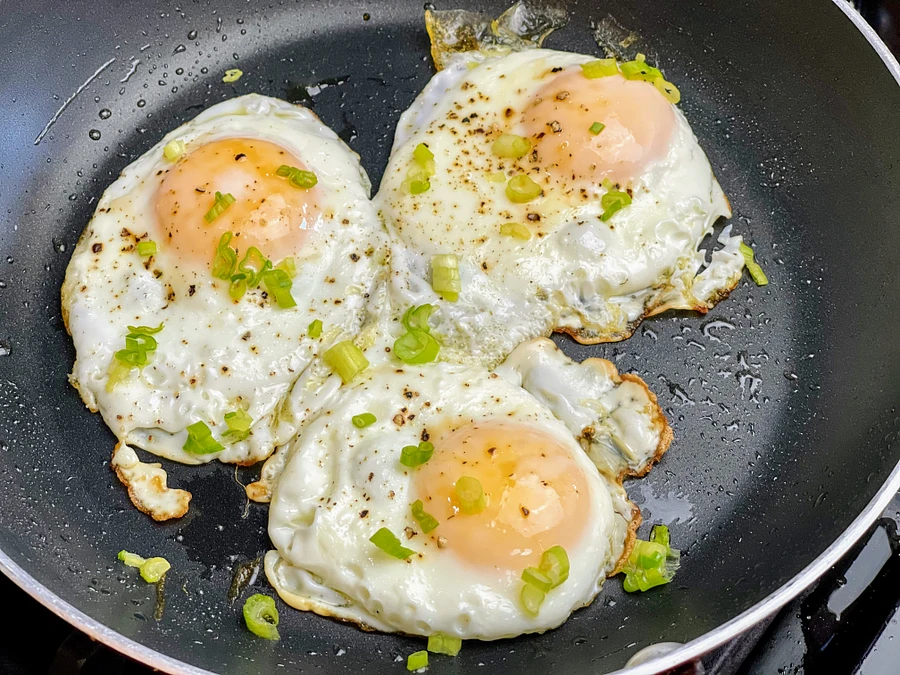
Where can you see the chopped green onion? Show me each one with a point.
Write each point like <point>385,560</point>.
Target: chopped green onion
<point>445,276</point>
<point>239,423</point>
<point>521,189</point>
<point>416,318</point>
<point>413,456</point>
<point>753,268</point>
<point>417,661</point>
<point>232,75</point>
<point>145,330</point>
<point>417,187</point>
<point>278,284</point>
<point>200,440</point>
<point>612,202</point>
<point>651,563</point>
<point>314,330</point>
<point>510,146</point>
<point>532,597</point>
<point>222,202</point>
<point>238,286</point>
<point>668,90</point>
<point>416,347</point>
<point>226,258</point>
<point>253,266</point>
<point>288,266</point>
<point>261,616</point>
<point>596,128</point>
<point>131,559</point>
<point>599,68</point>
<point>534,576</point>
<point>146,248</point>
<point>346,359</point>
<point>387,542</point>
<point>173,150</point>
<point>470,495</point>
<point>639,70</point>
<point>139,348</point>
<point>299,178</point>
<point>516,231</point>
<point>423,168</point>
<point>444,644</point>
<point>363,420</point>
<point>425,520</point>
<point>555,564</point>
<point>497,177</point>
<point>424,158</point>
<point>154,569</point>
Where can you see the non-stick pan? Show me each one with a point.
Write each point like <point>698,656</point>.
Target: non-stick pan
<point>783,399</point>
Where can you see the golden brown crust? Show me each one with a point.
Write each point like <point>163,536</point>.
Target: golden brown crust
<point>158,485</point>
<point>630,537</point>
<point>659,421</point>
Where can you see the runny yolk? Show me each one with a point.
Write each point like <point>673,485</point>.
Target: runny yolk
<point>638,126</point>
<point>268,212</point>
<point>537,496</point>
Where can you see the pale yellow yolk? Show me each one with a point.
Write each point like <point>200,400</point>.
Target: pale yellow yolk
<point>268,212</point>
<point>537,495</point>
<point>638,126</point>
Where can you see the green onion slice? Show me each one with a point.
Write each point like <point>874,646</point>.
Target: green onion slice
<point>278,284</point>
<point>424,158</point>
<point>387,542</point>
<point>261,616</point>
<point>173,150</point>
<point>417,660</point>
<point>238,286</point>
<point>416,347</point>
<point>521,189</point>
<point>510,146</point>
<point>288,266</point>
<point>239,423</point>
<point>425,520</point>
<point>444,644</point>
<point>346,359</point>
<point>596,128</point>
<point>200,440</point>
<point>535,577</point>
<point>612,202</point>
<point>416,318</point>
<point>640,70</point>
<point>363,420</point>
<point>423,168</point>
<point>470,495</point>
<point>314,330</point>
<point>299,178</point>
<point>139,348</point>
<point>413,456</point>
<point>154,569</point>
<point>532,597</point>
<point>753,268</point>
<point>225,260</point>
<point>668,90</point>
<point>254,265</point>
<point>516,231</point>
<point>417,187</point>
<point>222,202</point>
<point>651,563</point>
<point>147,248</point>
<point>445,278</point>
<point>555,564</point>
<point>131,559</point>
<point>232,75</point>
<point>599,68</point>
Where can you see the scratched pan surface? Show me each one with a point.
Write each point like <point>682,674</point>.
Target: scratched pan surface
<point>782,399</point>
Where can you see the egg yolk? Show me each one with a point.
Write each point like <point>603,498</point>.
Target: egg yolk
<point>268,211</point>
<point>638,123</point>
<point>536,495</point>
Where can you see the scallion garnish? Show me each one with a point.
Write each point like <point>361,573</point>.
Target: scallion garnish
<point>200,440</point>
<point>278,285</point>
<point>415,455</point>
<point>299,178</point>
<point>232,75</point>
<point>131,559</point>
<point>225,260</point>
<point>253,266</point>
<point>470,495</point>
<point>444,644</point>
<point>612,202</point>
<point>651,563</point>
<point>146,248</point>
<point>532,598</point>
<point>418,177</point>
<point>314,330</point>
<point>346,359</point>
<point>753,268</point>
<point>363,420</point>
<point>416,318</point>
<point>445,278</point>
<point>173,150</point>
<point>555,564</point>
<point>417,345</point>
<point>596,128</point>
<point>239,423</point>
<point>640,70</point>
<point>288,265</point>
<point>510,146</point>
<point>139,348</point>
<point>387,542</point>
<point>516,231</point>
<point>222,202</point>
<point>599,68</point>
<point>535,577</point>
<point>521,189</point>
<point>238,286</point>
<point>425,520</point>
<point>154,569</point>
<point>261,616</point>
<point>417,661</point>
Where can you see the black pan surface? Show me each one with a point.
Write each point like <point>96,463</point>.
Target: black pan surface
<point>783,399</point>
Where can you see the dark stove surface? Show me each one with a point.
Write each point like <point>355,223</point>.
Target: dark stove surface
<point>849,622</point>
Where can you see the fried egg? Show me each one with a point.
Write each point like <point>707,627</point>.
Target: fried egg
<point>343,483</point>
<point>557,260</point>
<point>146,261</point>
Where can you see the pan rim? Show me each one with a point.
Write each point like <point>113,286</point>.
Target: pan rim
<point>687,652</point>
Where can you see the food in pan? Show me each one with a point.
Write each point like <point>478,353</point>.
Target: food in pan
<point>446,499</point>
<point>214,270</point>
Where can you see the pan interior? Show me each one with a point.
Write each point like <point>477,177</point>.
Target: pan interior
<point>783,399</point>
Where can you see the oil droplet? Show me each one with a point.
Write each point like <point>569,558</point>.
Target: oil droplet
<point>141,103</point>
<point>94,134</point>
<point>204,70</point>
<point>2,283</point>
<point>366,16</point>
<point>58,244</point>
<point>179,49</point>
<point>5,349</point>
<point>192,35</point>
<point>73,197</point>
<point>179,71</point>
<point>105,114</point>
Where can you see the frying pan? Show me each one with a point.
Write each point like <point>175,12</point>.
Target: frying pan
<point>783,399</point>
